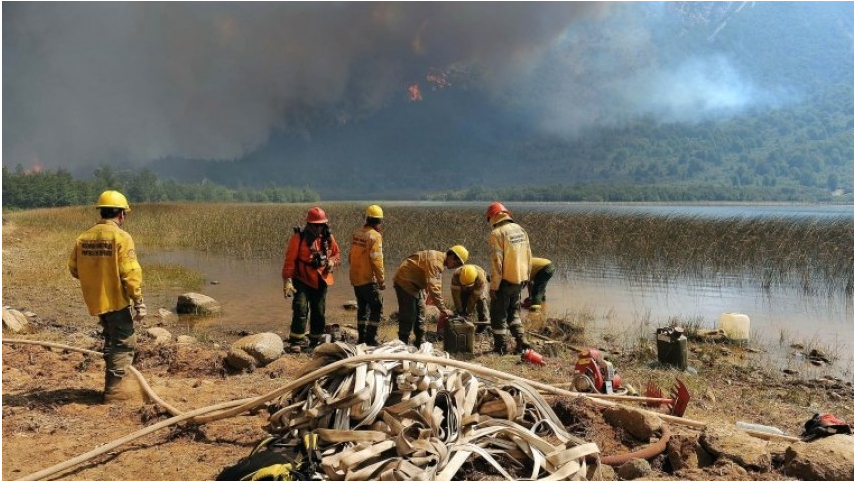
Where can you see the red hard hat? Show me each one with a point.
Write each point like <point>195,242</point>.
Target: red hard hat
<point>496,208</point>
<point>316,216</point>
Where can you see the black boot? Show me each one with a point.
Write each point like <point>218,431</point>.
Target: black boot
<point>500,346</point>
<point>371,336</point>
<point>361,330</point>
<point>522,346</point>
<point>419,340</point>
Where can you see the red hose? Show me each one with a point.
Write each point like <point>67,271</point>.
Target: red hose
<point>650,451</point>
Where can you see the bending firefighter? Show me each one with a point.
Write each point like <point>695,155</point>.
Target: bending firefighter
<point>510,263</point>
<point>541,272</point>
<point>367,274</point>
<point>470,291</point>
<point>105,261</point>
<point>310,258</point>
<point>421,273</point>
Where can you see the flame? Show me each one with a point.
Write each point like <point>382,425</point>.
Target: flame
<point>438,80</point>
<point>415,93</point>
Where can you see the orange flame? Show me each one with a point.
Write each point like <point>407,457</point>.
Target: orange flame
<point>415,93</point>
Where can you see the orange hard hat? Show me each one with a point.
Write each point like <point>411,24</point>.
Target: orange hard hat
<point>316,215</point>
<point>496,208</point>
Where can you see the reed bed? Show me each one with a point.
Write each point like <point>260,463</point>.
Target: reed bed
<point>816,255</point>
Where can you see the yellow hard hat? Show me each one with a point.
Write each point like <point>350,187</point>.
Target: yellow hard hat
<point>468,274</point>
<point>113,199</point>
<point>460,252</point>
<point>375,211</point>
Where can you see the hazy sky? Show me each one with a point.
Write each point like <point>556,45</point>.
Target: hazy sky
<point>87,83</point>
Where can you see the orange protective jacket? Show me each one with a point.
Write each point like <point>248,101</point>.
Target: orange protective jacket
<point>366,257</point>
<point>105,261</point>
<point>298,260</point>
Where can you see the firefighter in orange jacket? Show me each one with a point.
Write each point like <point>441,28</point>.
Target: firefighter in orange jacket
<point>311,256</point>
<point>104,259</point>
<point>367,275</point>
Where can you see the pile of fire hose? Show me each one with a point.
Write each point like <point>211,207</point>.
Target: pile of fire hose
<point>419,420</point>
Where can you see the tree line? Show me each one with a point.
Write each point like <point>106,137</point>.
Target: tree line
<point>35,189</point>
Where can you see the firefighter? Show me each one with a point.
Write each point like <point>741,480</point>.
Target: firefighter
<point>510,266</point>
<point>307,272</point>
<point>419,275</point>
<point>367,275</point>
<point>541,272</point>
<point>104,259</point>
<point>470,291</point>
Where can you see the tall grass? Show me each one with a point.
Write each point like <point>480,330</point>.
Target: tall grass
<point>768,252</point>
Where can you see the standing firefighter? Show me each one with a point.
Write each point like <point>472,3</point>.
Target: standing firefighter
<point>510,265</point>
<point>105,261</point>
<point>306,273</point>
<point>470,291</point>
<point>367,275</point>
<point>541,272</point>
<point>420,273</point>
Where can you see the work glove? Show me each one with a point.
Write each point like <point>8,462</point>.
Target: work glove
<point>288,288</point>
<point>381,285</point>
<point>139,311</point>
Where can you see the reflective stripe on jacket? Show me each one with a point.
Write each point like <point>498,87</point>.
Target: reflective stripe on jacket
<point>423,270</point>
<point>510,254</point>
<point>538,263</point>
<point>298,260</point>
<point>366,257</point>
<point>105,261</point>
<point>476,290</point>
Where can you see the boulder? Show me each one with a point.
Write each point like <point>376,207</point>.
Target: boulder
<point>159,334</point>
<point>730,443</point>
<point>14,320</point>
<point>825,459</point>
<point>255,351</point>
<point>634,468</point>
<point>198,304</point>
<point>185,339</point>
<point>684,452</point>
<point>640,424</point>
<point>600,472</point>
<point>164,313</point>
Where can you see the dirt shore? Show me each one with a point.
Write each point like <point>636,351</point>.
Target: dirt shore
<point>52,408</point>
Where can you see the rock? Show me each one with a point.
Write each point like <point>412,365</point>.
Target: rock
<point>215,283</point>
<point>198,304</point>
<point>797,345</point>
<point>255,351</point>
<point>633,469</point>
<point>819,355</point>
<point>164,313</point>
<point>684,452</point>
<point>640,424</point>
<point>351,305</point>
<point>14,320</point>
<point>159,334</point>
<point>791,372</point>
<point>826,459</point>
<point>30,314</point>
<point>728,442</point>
<point>727,469</point>
<point>600,472</point>
<point>185,339</point>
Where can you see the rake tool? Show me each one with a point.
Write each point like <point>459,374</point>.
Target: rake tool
<point>676,404</point>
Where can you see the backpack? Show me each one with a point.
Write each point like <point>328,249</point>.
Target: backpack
<point>822,425</point>
<point>272,460</point>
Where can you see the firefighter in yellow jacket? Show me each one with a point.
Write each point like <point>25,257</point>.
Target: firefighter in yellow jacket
<point>510,267</point>
<point>104,259</point>
<point>541,272</point>
<point>419,274</point>
<point>470,291</point>
<point>367,275</point>
<point>310,258</point>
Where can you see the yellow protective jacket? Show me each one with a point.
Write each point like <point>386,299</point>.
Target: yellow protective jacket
<point>476,291</point>
<point>538,263</point>
<point>423,270</point>
<point>105,261</point>
<point>366,257</point>
<point>510,254</point>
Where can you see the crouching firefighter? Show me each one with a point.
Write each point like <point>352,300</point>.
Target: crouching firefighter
<point>307,272</point>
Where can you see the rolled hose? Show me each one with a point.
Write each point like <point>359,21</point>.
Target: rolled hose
<point>650,451</point>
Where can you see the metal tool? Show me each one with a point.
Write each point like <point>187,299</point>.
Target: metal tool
<point>678,401</point>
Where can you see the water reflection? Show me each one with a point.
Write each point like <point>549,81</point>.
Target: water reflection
<point>250,292</point>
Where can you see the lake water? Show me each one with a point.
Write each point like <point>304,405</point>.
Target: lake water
<point>251,294</point>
